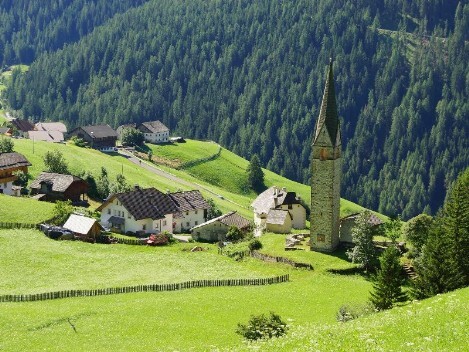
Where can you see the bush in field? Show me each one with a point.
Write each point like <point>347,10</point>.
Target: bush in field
<point>349,312</point>
<point>234,234</point>
<point>255,245</point>
<point>262,327</point>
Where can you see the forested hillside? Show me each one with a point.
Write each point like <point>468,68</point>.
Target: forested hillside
<point>250,75</point>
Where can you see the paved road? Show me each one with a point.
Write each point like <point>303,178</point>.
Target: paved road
<point>157,171</point>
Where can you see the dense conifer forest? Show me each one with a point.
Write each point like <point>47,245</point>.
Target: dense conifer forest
<point>250,75</point>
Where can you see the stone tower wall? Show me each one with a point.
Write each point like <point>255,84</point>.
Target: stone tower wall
<point>325,198</point>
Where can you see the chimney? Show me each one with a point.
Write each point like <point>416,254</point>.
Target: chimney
<point>136,187</point>
<point>275,191</point>
<point>284,189</point>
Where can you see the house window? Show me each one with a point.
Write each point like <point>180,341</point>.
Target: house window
<point>109,211</point>
<point>164,222</point>
<point>144,227</point>
<point>128,216</point>
<point>290,206</point>
<point>196,212</point>
<point>117,202</point>
<point>188,224</point>
<point>196,223</point>
<point>187,213</point>
<point>156,225</point>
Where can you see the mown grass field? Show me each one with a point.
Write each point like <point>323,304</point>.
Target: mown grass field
<point>189,320</point>
<point>24,210</point>
<point>183,152</point>
<point>32,263</point>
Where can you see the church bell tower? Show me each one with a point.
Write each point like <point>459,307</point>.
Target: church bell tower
<point>326,172</point>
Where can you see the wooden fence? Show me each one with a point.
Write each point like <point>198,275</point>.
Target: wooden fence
<point>269,258</point>
<point>144,288</point>
<point>17,225</point>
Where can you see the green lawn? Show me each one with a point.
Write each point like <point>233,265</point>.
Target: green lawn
<point>183,152</point>
<point>24,210</point>
<point>436,324</point>
<point>202,319</point>
<point>33,263</point>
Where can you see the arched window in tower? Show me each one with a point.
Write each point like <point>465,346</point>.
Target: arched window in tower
<point>323,154</point>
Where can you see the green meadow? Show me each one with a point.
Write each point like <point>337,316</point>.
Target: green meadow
<point>24,210</point>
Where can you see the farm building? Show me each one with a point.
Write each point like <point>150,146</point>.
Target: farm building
<point>270,207</point>
<point>46,136</point>
<point>154,131</point>
<point>51,187</point>
<point>9,164</point>
<point>216,229</point>
<point>192,210</point>
<point>101,137</point>
<point>83,226</point>
<point>139,211</point>
<point>348,222</point>
<point>22,126</point>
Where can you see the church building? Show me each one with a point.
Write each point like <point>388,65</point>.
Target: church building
<point>326,173</point>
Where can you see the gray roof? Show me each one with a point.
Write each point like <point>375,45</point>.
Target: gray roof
<point>277,217</point>
<point>99,131</point>
<point>272,198</point>
<point>153,127</point>
<point>374,220</point>
<point>189,200</point>
<point>12,160</point>
<point>230,219</point>
<point>51,126</point>
<point>80,224</point>
<point>147,203</point>
<point>60,182</point>
<point>4,130</point>
<point>328,117</point>
<point>46,136</point>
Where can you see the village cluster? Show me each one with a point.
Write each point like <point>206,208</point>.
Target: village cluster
<point>149,211</point>
<point>141,211</point>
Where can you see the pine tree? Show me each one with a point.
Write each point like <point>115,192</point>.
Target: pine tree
<point>387,286</point>
<point>437,271</point>
<point>364,252</point>
<point>255,174</point>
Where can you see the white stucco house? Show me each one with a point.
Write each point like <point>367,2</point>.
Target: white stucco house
<point>192,210</point>
<point>154,132</point>
<point>10,163</point>
<point>276,210</point>
<point>139,211</point>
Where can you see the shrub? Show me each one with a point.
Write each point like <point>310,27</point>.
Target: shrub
<point>347,312</point>
<point>234,234</point>
<point>262,327</point>
<point>255,245</point>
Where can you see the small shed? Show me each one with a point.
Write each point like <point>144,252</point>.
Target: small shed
<point>83,226</point>
<point>279,221</point>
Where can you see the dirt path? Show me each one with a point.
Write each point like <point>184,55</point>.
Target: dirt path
<point>157,171</point>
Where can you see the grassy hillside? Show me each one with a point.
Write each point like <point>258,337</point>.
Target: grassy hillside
<point>436,324</point>
<point>24,210</point>
<point>225,176</point>
<point>228,173</point>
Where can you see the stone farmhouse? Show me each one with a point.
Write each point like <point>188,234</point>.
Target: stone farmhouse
<point>101,137</point>
<point>154,132</point>
<point>216,229</point>
<point>9,164</point>
<point>192,210</point>
<point>278,211</point>
<point>51,126</point>
<point>49,186</point>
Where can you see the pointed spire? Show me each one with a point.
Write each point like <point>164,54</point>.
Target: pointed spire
<point>328,114</point>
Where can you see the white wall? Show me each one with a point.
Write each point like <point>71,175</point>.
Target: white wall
<point>189,220</point>
<point>160,137</point>
<point>7,188</point>
<point>214,231</point>
<point>298,212</point>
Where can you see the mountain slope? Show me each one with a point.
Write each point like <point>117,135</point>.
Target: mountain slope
<point>250,75</point>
